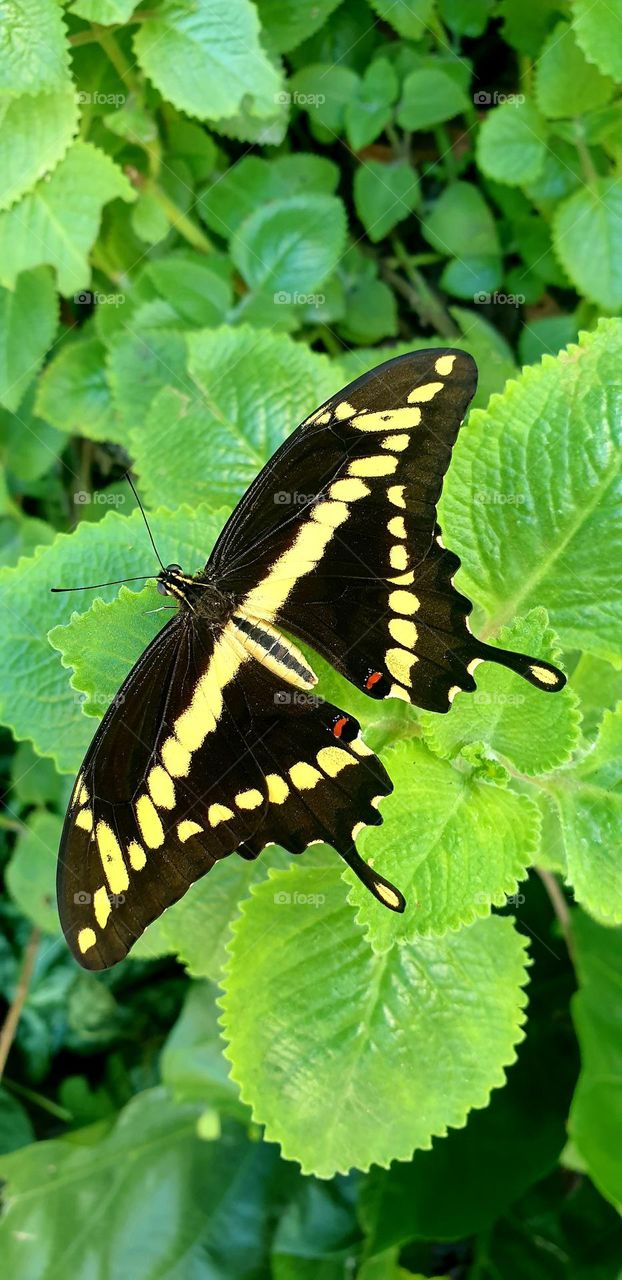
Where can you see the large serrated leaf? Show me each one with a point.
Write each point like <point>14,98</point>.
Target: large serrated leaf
<point>74,393</point>
<point>206,58</point>
<point>35,132</point>
<point>28,320</point>
<point>348,1057</point>
<point>34,55</point>
<point>57,222</point>
<point>535,733</point>
<point>587,235</point>
<point>252,389</point>
<point>547,456</point>
<point>453,844</point>
<point>36,699</point>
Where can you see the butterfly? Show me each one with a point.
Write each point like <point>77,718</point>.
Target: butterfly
<point>217,742</point>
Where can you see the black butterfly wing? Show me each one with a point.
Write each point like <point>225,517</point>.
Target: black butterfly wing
<point>337,540</point>
<point>203,752</point>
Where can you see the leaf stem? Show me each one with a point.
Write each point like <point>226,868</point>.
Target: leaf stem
<point>39,1100</point>
<point>9,1026</point>
<point>418,293</point>
<point>559,905</point>
<point>588,167</point>
<point>116,56</point>
<point>180,221</point>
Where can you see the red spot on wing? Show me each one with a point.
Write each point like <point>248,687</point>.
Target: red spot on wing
<point>339,726</point>
<point>373,679</point>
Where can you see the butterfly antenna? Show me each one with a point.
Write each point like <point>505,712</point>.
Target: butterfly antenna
<point>142,512</point>
<point>94,585</point>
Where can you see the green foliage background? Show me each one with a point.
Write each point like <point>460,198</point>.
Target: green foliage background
<point>213,214</point>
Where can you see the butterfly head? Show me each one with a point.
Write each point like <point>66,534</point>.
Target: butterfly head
<point>173,582</point>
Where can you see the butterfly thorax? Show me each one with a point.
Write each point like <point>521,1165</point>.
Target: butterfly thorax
<point>198,595</point>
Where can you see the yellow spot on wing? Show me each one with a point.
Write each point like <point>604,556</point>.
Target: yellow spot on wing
<point>396,495</point>
<point>83,798</point>
<point>86,940</point>
<point>388,895</point>
<point>101,904</point>
<point>324,418</point>
<point>398,557</point>
<point>249,799</point>
<point>544,675</point>
<point>403,631</point>
<point>278,789</point>
<point>455,688</point>
<point>161,788</point>
<point>303,555</point>
<point>176,758</point>
<point>188,828</point>
<point>151,828</point>
<point>85,819</point>
<point>330,513</point>
<point>349,490</point>
<point>397,527</point>
<point>360,747</point>
<point>397,691</point>
<point>421,395</point>
<point>399,443</point>
<point>376,466</point>
<point>403,579</point>
<point>304,776</point>
<point>344,410</point>
<point>356,830</point>
<point>76,788</point>
<point>388,420</point>
<point>444,365</point>
<point>400,662</point>
<point>333,759</point>
<point>136,855</point>
<point>218,813</point>
<point>201,717</point>
<point>403,602</point>
<point>112,859</point>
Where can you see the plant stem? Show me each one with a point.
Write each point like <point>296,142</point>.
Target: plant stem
<point>560,907</point>
<point>9,1026</point>
<point>585,156</point>
<point>116,56</point>
<point>184,225</point>
<point>39,1100</point>
<point>446,152</point>
<point>418,293</point>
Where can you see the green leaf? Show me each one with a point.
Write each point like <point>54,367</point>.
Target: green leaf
<point>384,194</point>
<point>567,85</point>
<point>454,846</point>
<point>142,361</point>
<point>207,58</point>
<point>324,91</point>
<point>135,1184</point>
<point>192,1063</point>
<point>466,17</point>
<point>597,28</point>
<point>57,223</point>
<point>370,313</point>
<point>429,97</point>
<point>290,246</point>
<point>460,223</point>
<point>535,734</point>
<point>511,145</point>
<point>28,446</point>
<point>342,1024</point>
<point>548,335</point>
<point>587,234</point>
<point>596,1114</point>
<point>35,133</point>
<point>20,535</point>
<point>28,321</point>
<point>15,1127</point>
<point>473,279</point>
<point>253,389</point>
<point>527,22</point>
<point>286,23</point>
<point>553,436</point>
<point>410,18</point>
<point>106,12</point>
<point>34,781</point>
<point>253,181</point>
<point>33,47</point>
<point>588,800</point>
<point>200,295</point>
<point>74,394</point>
<point>36,699</point>
<point>31,873</point>
<point>598,686</point>
<point>370,111</point>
